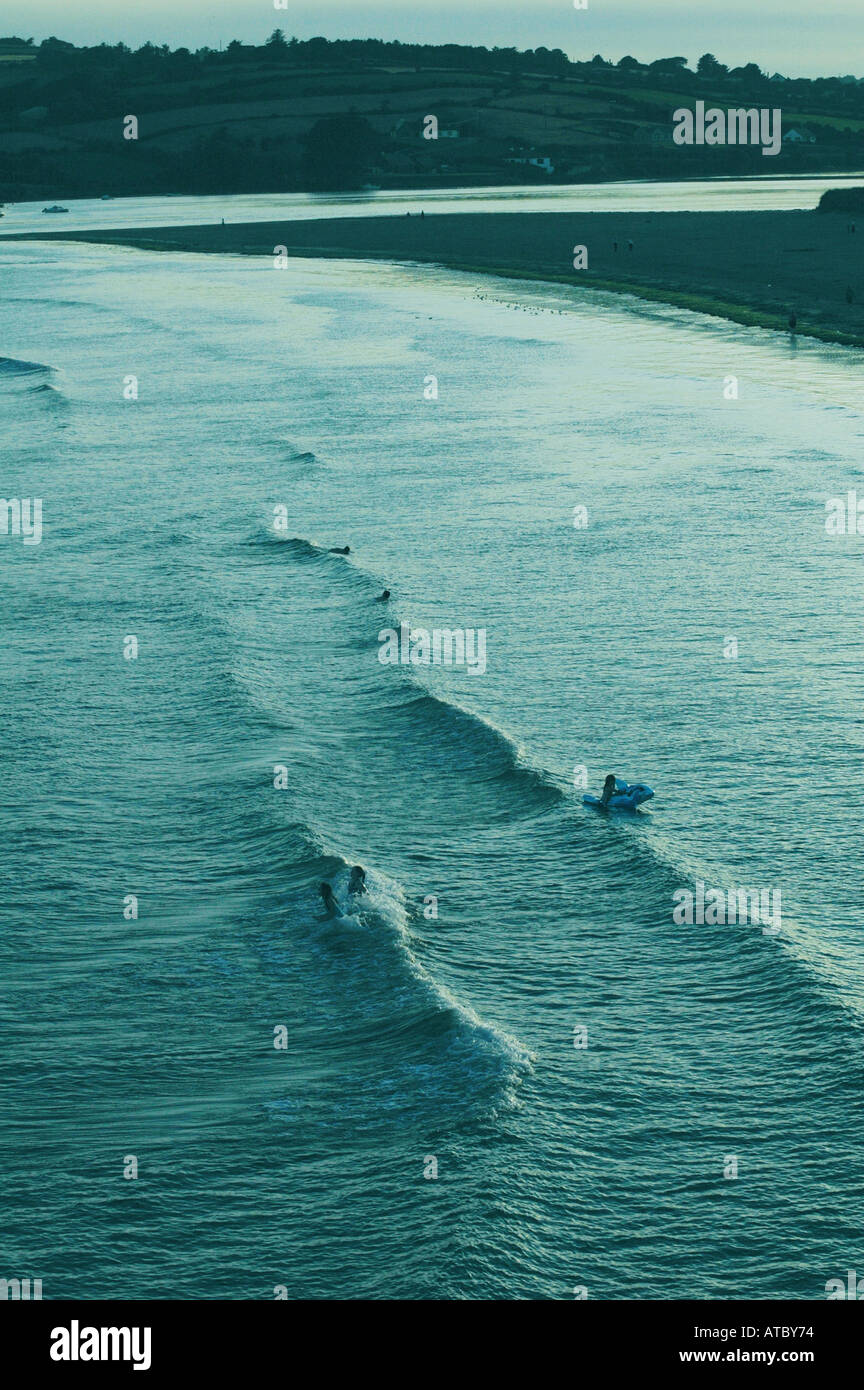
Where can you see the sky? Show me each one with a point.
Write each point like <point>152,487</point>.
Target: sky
<point>795,37</point>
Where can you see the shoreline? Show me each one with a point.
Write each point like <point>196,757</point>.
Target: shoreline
<point>750,268</point>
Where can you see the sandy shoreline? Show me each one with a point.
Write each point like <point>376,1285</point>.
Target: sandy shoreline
<point>753,268</point>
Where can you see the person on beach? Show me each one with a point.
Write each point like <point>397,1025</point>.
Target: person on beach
<point>608,791</point>
<point>357,880</point>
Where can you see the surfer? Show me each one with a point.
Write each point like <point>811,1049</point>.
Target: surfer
<point>608,791</point>
<point>339,550</point>
<point>382,598</point>
<point>357,880</point>
<point>329,900</point>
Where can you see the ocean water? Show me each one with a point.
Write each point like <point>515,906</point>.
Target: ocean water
<point>412,1042</point>
<point>773,192</point>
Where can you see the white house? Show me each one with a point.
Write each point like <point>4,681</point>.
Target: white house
<point>539,161</point>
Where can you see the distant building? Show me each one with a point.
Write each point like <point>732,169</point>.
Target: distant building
<point>538,161</point>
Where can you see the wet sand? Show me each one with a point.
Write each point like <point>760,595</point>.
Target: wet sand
<point>752,267</point>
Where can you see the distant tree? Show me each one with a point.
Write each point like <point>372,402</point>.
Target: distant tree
<point>339,151</point>
<point>276,40</point>
<point>628,63</point>
<point>709,67</point>
<point>182,64</point>
<point>53,54</point>
<point>54,48</point>
<point>668,65</point>
<point>547,59</point>
<point>751,72</point>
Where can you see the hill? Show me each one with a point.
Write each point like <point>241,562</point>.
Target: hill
<point>318,114</point>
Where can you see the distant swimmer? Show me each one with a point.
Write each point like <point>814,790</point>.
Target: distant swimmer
<point>329,900</point>
<point>357,880</point>
<point>608,791</point>
<point>382,598</point>
<point>339,550</point>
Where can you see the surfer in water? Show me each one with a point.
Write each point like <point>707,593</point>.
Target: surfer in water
<point>382,598</point>
<point>357,880</point>
<point>608,791</point>
<point>339,550</point>
<point>329,900</point>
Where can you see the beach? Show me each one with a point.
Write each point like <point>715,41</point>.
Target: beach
<point>753,268</point>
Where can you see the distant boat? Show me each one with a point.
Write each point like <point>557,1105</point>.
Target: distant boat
<point>55,208</point>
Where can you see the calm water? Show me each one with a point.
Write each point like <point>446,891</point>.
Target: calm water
<point>717,195</point>
<point>410,1037</point>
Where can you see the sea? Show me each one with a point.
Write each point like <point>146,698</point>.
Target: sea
<point>509,1070</point>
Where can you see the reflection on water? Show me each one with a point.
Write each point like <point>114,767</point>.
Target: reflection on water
<point>717,195</point>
